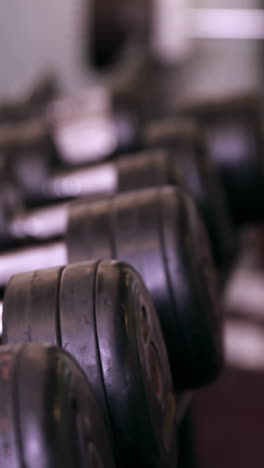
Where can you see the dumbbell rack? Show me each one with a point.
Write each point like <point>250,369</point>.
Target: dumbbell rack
<point>178,219</point>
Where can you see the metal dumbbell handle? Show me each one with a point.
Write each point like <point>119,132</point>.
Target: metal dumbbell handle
<point>40,224</point>
<point>135,172</point>
<point>32,258</point>
<point>91,181</point>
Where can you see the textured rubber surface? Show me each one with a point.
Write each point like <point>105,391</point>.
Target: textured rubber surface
<point>157,232</point>
<point>103,315</point>
<point>189,158</point>
<point>234,132</point>
<point>49,416</point>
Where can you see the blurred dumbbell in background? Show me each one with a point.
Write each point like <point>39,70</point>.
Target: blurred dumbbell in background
<point>183,162</point>
<point>233,136</point>
<point>234,132</point>
<point>233,141</point>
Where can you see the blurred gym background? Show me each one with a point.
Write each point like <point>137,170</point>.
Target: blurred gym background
<point>212,47</point>
<point>154,55</point>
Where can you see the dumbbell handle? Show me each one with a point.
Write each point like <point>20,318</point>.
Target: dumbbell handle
<point>80,138</point>
<point>91,181</point>
<point>32,258</point>
<point>51,222</point>
<point>40,224</point>
<point>151,168</point>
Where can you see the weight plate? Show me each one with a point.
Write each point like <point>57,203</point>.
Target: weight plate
<point>234,135</point>
<point>50,411</point>
<point>31,308</point>
<point>56,306</point>
<point>78,332</point>
<point>9,449</point>
<point>195,295</point>
<point>137,378</point>
<point>153,231</point>
<point>188,153</point>
<point>86,303</point>
<point>86,220</point>
<point>151,168</point>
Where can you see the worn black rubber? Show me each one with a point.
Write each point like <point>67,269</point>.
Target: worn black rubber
<point>158,232</point>
<point>49,416</point>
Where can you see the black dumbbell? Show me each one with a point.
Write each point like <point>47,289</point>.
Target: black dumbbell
<point>102,314</point>
<point>159,232</point>
<point>35,172</point>
<point>49,416</point>
<point>234,138</point>
<point>185,143</point>
<point>71,132</point>
<point>188,168</point>
<point>234,133</point>
<point>138,171</point>
<point>30,103</point>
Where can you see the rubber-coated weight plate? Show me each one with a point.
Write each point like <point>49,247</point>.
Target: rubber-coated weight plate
<point>137,376</point>
<point>77,321</point>
<point>234,134</point>
<point>152,168</point>
<point>108,323</point>
<point>50,417</point>
<point>56,306</point>
<point>154,231</point>
<point>33,302</point>
<point>189,157</point>
<point>9,449</point>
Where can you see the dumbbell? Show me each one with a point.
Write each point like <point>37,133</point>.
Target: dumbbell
<point>49,416</point>
<point>158,232</point>
<point>30,103</point>
<point>185,142</point>
<point>33,168</point>
<point>234,138</point>
<point>190,168</point>
<point>102,314</point>
<point>135,172</point>
<point>73,130</point>
<point>234,133</point>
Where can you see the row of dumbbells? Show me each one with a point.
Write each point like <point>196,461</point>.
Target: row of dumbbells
<point>45,137</point>
<point>122,408</point>
<point>100,311</point>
